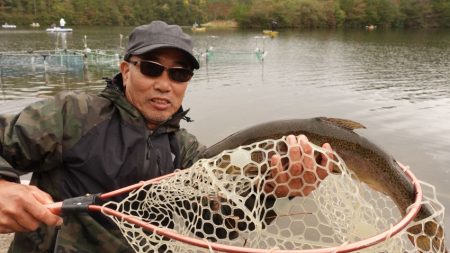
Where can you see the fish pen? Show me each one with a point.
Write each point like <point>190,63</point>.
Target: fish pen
<point>100,57</point>
<point>45,58</point>
<point>235,54</point>
<point>60,59</point>
<point>212,53</point>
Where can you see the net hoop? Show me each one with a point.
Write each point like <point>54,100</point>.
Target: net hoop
<point>412,212</point>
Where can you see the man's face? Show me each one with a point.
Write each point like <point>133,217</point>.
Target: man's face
<point>157,98</point>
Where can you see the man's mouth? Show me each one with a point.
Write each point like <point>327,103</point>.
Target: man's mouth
<point>160,103</point>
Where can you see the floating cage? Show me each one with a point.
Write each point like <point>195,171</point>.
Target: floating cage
<point>102,57</point>
<point>48,58</point>
<point>61,58</point>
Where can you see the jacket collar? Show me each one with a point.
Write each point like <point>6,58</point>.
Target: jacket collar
<point>115,92</point>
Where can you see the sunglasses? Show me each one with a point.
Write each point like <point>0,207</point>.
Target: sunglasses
<point>154,69</point>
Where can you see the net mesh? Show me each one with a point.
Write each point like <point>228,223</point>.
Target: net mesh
<point>223,200</point>
<point>50,58</point>
<point>102,57</point>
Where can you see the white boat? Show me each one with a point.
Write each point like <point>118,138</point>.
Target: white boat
<point>8,26</point>
<point>59,29</point>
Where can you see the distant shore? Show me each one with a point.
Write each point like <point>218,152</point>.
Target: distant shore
<point>221,24</point>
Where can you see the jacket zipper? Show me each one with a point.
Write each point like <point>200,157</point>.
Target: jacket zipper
<point>150,148</point>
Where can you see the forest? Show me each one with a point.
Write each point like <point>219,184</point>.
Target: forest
<point>302,14</point>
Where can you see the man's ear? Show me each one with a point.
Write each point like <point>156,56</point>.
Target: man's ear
<point>125,70</point>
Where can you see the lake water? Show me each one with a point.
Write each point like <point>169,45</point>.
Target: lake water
<point>396,83</point>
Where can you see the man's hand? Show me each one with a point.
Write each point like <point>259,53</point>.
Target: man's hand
<point>22,208</point>
<point>301,175</point>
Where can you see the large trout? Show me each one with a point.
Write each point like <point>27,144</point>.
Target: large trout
<point>370,163</point>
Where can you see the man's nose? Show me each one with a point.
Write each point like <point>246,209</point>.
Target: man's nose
<point>164,83</point>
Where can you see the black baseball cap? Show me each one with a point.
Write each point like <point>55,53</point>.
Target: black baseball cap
<point>158,34</point>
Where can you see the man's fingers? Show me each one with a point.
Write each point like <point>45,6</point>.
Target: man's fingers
<point>308,160</point>
<point>274,160</point>
<point>294,151</point>
<point>328,154</point>
<point>307,190</point>
<point>5,230</point>
<point>15,218</point>
<point>327,166</point>
<point>41,196</point>
<point>23,209</point>
<point>302,175</point>
<point>26,222</point>
<point>9,225</point>
<point>278,173</point>
<point>40,213</point>
<point>277,184</point>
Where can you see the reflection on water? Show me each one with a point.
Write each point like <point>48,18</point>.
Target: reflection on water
<point>31,81</point>
<point>396,83</point>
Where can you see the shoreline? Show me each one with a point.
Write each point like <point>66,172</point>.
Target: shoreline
<point>221,24</point>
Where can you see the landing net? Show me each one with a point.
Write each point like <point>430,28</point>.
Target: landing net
<point>222,201</point>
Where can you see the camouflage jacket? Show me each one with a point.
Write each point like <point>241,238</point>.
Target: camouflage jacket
<point>78,143</point>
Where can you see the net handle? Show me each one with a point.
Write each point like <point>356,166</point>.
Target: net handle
<point>57,208</point>
<point>346,247</point>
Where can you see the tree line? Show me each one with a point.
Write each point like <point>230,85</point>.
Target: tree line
<point>247,13</point>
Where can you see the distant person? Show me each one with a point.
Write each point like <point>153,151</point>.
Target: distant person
<point>274,25</point>
<point>62,23</point>
<point>78,143</point>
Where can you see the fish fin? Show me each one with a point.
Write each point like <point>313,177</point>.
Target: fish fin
<point>344,123</point>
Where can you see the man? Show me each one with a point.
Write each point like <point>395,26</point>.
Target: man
<point>62,23</point>
<point>274,25</point>
<point>79,143</point>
